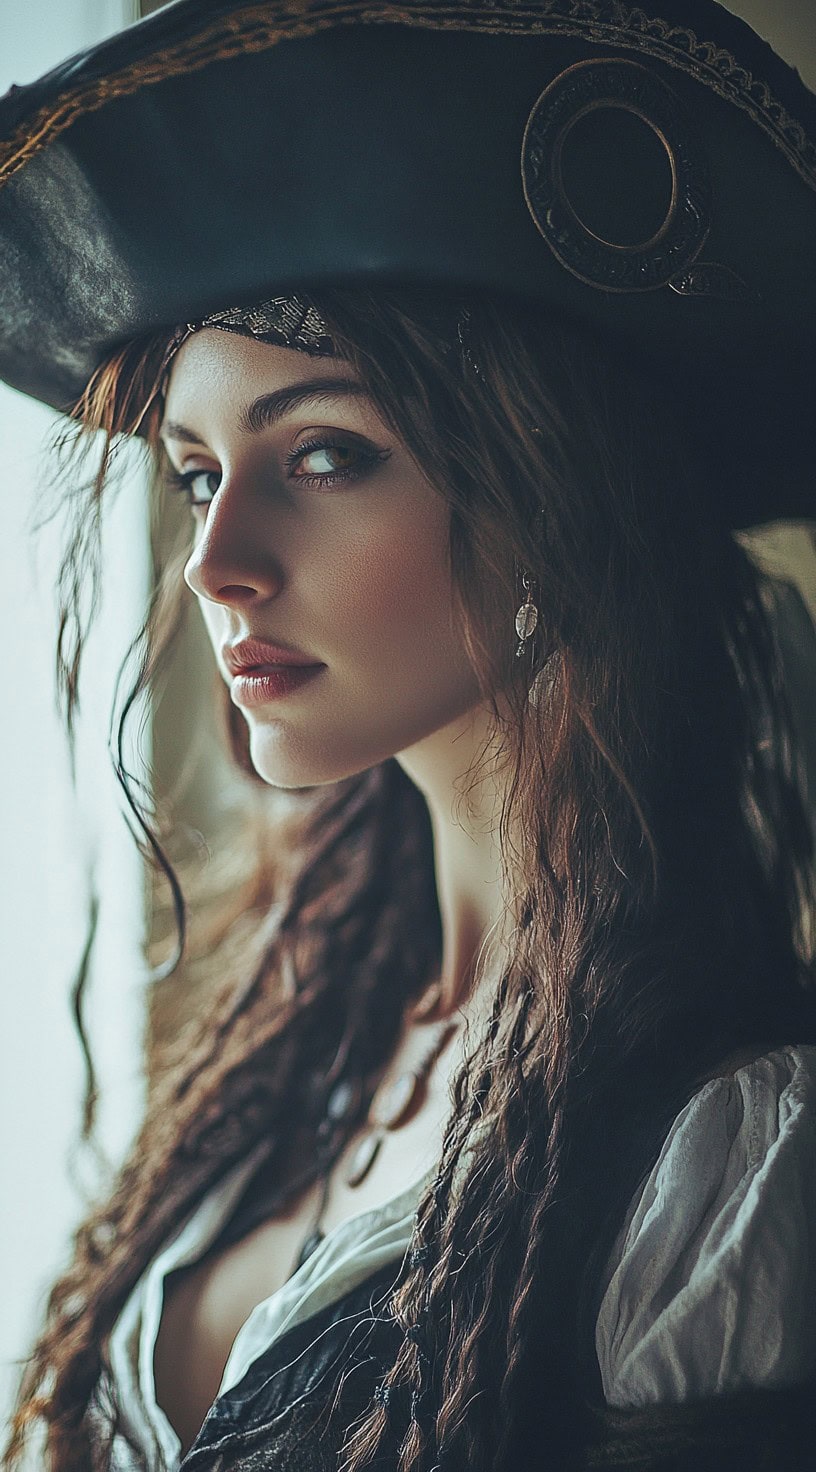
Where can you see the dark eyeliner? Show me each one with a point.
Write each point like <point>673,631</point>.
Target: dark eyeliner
<point>180,482</point>
<point>367,459</point>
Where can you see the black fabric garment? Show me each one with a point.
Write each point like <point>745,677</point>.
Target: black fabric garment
<point>751,1431</point>
<point>277,1417</point>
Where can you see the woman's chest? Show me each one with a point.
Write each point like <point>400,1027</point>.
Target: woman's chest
<point>206,1304</point>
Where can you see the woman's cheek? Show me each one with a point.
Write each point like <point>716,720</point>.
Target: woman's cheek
<point>412,602</point>
<point>395,583</point>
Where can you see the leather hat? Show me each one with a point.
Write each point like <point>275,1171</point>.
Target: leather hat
<point>646,172</point>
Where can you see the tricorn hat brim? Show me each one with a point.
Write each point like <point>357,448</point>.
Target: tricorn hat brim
<point>646,172</point>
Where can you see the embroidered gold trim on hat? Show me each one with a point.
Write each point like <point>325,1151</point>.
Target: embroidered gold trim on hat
<point>260,27</point>
<point>584,88</point>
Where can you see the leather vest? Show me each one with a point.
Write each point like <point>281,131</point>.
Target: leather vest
<point>277,1415</point>
<point>277,1418</point>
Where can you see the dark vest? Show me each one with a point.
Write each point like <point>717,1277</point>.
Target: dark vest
<point>276,1419</point>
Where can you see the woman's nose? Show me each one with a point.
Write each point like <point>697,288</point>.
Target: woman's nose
<point>231,560</point>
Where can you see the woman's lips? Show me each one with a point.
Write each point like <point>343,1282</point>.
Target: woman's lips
<point>270,681</point>
<point>250,654</point>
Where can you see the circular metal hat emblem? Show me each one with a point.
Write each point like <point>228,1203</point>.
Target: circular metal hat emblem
<point>586,153</point>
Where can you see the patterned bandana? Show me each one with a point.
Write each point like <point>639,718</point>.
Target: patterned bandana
<point>289,322</point>
<point>285,320</point>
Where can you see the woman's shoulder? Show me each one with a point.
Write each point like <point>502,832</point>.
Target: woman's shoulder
<point>711,1282</point>
<point>755,1100</point>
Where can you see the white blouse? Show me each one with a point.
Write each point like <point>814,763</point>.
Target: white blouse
<point>710,1285</point>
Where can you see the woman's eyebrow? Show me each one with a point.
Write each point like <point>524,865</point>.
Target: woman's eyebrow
<point>265,411</point>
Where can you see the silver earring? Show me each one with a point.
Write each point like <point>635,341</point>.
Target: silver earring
<point>526,617</point>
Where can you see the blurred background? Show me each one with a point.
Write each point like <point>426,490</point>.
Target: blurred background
<point>56,837</point>
<point>60,840</point>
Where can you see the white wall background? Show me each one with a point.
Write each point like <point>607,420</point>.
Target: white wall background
<point>48,832</point>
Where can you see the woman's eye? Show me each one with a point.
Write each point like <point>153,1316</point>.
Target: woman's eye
<point>185,481</point>
<point>326,461</point>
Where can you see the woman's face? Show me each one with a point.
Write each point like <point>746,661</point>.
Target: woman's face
<point>316,532</point>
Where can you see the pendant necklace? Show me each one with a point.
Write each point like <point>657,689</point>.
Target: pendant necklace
<point>394,1103</point>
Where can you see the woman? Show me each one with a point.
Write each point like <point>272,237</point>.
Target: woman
<point>496,1147</point>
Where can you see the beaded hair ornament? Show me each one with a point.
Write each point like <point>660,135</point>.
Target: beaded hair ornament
<point>289,322</point>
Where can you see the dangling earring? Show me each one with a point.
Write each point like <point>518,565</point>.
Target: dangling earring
<point>526,617</point>
<point>526,625</point>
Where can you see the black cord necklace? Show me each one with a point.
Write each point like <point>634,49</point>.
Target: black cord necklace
<point>393,1104</point>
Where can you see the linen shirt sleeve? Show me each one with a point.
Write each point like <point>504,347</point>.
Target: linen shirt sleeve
<point>711,1286</point>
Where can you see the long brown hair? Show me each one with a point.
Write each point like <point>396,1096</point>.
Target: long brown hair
<point>661,858</point>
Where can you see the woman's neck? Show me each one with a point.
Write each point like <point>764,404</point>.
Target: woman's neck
<point>464,814</point>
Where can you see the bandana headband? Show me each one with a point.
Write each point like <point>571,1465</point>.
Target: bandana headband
<point>288,321</point>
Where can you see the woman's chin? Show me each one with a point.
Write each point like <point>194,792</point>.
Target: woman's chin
<point>286,762</point>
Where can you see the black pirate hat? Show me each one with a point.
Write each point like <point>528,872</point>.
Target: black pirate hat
<point>647,172</point>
